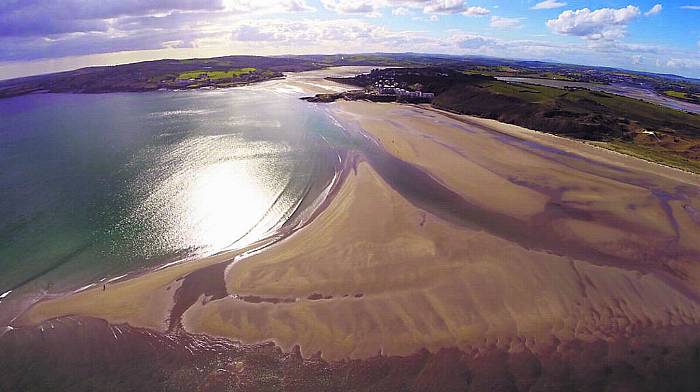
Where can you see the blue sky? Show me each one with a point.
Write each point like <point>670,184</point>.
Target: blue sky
<point>38,36</point>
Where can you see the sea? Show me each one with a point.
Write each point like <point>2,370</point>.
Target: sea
<point>95,186</point>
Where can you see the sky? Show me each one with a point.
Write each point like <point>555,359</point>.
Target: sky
<point>41,36</point>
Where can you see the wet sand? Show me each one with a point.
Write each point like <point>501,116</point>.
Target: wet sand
<point>119,357</point>
<point>448,231</point>
<point>444,231</point>
<point>314,82</point>
<point>550,247</point>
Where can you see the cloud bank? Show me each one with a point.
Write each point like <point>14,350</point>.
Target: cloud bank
<point>602,24</point>
<point>32,30</point>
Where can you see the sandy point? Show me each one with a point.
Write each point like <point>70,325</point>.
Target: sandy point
<point>376,271</point>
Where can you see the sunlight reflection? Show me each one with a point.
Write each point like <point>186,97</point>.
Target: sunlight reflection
<point>225,200</point>
<point>216,190</point>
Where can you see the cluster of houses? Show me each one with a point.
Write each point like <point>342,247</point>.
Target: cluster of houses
<point>389,90</point>
<point>383,86</point>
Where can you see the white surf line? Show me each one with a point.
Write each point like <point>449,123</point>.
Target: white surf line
<point>166,265</point>
<point>117,278</point>
<point>84,288</point>
<point>5,294</point>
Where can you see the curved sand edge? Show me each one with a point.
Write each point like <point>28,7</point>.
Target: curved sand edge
<point>424,283</point>
<point>428,283</point>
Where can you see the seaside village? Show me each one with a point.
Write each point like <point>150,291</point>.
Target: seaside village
<point>387,86</point>
<point>389,89</point>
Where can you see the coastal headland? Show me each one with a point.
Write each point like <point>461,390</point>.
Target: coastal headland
<point>450,253</point>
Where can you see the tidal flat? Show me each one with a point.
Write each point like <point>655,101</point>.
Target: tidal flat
<point>440,251</point>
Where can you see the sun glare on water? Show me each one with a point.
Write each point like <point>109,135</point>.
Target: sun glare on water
<point>209,193</point>
<point>224,201</point>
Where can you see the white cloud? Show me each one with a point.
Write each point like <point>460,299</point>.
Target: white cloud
<point>401,11</point>
<point>601,24</point>
<point>299,6</point>
<point>656,9</point>
<point>317,36</point>
<point>615,47</point>
<point>548,4</point>
<point>490,46</point>
<point>403,7</point>
<point>265,6</point>
<point>365,7</point>
<point>251,33</point>
<point>474,42</point>
<point>244,26</point>
<point>683,63</point>
<point>690,7</point>
<point>476,11</point>
<point>505,23</point>
<point>443,7</point>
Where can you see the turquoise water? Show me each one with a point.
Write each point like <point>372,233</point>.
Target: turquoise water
<point>93,186</point>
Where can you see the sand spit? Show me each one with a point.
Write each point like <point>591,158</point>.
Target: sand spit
<point>600,248</point>
<point>143,301</point>
<point>425,283</point>
<point>155,299</point>
<point>314,82</point>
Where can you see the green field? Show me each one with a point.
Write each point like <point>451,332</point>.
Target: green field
<point>651,115</point>
<point>682,95</point>
<point>215,75</point>
<point>526,92</point>
<point>508,70</point>
<point>676,94</point>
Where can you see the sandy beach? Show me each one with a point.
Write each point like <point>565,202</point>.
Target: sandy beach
<point>430,283</point>
<point>445,231</point>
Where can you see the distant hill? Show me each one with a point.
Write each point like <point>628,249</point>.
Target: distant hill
<point>160,74</point>
<point>225,72</point>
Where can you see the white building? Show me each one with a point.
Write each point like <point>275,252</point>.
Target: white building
<point>414,94</point>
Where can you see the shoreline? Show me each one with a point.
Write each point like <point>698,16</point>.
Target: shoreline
<point>269,249</point>
<point>271,290</point>
<point>181,268</point>
<point>298,79</point>
<point>475,242</point>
